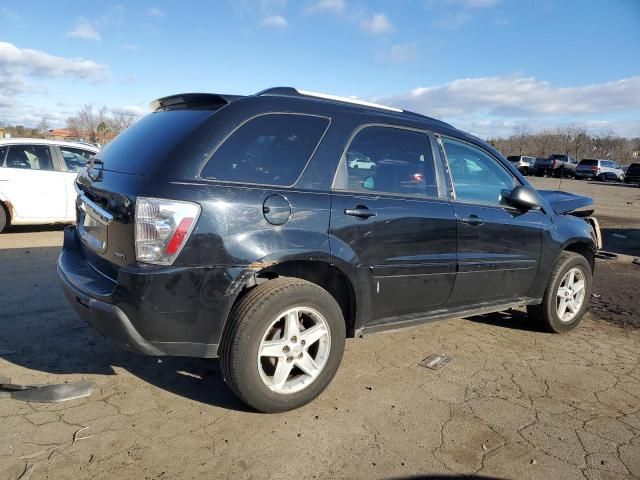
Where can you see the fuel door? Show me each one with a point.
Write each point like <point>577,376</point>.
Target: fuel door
<point>276,209</point>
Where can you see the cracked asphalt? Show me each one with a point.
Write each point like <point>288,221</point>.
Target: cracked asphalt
<point>514,403</point>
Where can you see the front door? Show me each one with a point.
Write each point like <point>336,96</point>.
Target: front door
<point>498,245</point>
<point>33,184</point>
<point>389,221</point>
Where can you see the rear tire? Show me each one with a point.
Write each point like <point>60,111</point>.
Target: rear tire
<point>564,302</point>
<point>525,171</point>
<point>264,356</point>
<point>4,219</point>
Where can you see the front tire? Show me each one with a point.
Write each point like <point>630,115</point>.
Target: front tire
<point>283,344</point>
<point>567,295</point>
<point>3,218</point>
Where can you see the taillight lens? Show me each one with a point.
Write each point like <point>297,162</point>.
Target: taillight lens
<point>162,228</point>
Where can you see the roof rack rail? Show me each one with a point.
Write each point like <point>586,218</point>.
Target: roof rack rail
<point>193,99</point>
<point>294,92</point>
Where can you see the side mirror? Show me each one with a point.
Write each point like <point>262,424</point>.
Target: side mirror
<point>525,198</point>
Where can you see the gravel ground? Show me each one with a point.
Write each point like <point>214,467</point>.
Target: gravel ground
<point>514,403</point>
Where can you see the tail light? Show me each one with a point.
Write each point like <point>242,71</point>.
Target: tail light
<point>162,228</point>
<point>554,163</point>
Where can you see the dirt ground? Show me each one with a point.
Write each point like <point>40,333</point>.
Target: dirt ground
<point>514,403</point>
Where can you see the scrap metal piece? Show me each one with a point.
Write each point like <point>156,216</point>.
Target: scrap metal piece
<point>46,393</point>
<point>436,361</point>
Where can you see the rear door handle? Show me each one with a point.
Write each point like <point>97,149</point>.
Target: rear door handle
<point>360,211</point>
<point>472,220</point>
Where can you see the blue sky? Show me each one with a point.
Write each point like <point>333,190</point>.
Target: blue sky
<point>487,66</point>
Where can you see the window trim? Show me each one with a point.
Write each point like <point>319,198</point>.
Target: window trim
<point>270,185</point>
<point>61,160</point>
<point>374,193</point>
<point>454,197</point>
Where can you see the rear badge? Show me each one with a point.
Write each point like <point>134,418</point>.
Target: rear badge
<point>120,255</point>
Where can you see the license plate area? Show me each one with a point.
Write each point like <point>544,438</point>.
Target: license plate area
<point>92,228</point>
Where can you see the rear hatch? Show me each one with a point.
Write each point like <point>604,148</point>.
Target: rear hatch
<point>108,187</point>
<point>587,166</point>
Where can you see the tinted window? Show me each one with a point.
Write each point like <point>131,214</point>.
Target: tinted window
<point>634,167</point>
<point>477,176</point>
<point>390,160</point>
<point>513,159</point>
<point>148,141</point>
<point>29,157</point>
<point>588,163</point>
<point>75,158</point>
<point>270,149</point>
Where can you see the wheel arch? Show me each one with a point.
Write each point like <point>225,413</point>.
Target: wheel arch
<point>322,273</point>
<point>584,248</point>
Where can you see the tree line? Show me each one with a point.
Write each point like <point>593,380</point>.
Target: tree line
<point>90,123</point>
<point>575,141</point>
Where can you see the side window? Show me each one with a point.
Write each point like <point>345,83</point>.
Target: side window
<point>30,157</point>
<point>3,153</point>
<point>390,160</point>
<point>477,176</point>
<point>75,158</point>
<point>271,149</point>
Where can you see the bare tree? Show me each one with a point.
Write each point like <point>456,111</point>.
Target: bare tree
<point>121,120</point>
<point>44,126</point>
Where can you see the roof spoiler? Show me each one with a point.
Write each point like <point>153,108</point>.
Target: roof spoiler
<point>216,100</point>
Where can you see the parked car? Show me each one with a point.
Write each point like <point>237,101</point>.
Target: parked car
<point>599,170</point>
<point>37,180</point>
<point>526,165</point>
<point>234,227</point>
<point>633,174</point>
<point>357,160</point>
<point>556,165</point>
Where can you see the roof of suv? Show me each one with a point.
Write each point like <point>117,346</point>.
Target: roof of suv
<point>216,99</point>
<point>44,141</point>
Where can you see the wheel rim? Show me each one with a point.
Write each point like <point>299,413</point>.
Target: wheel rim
<point>294,350</point>
<point>570,295</point>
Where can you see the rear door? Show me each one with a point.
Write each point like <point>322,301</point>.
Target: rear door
<point>392,223</point>
<point>33,183</point>
<point>498,246</point>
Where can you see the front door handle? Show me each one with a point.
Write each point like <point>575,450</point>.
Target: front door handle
<point>360,211</point>
<point>472,220</point>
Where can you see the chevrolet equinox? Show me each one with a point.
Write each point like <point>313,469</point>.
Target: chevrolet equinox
<point>241,227</point>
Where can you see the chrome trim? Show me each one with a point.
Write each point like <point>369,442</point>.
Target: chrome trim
<point>96,211</point>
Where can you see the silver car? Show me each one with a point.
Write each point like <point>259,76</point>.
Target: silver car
<point>601,170</point>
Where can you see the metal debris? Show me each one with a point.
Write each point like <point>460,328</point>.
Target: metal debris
<point>76,438</point>
<point>606,255</point>
<point>436,361</point>
<point>46,393</point>
<point>637,261</point>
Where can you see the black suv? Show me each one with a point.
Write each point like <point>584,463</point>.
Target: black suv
<point>234,227</point>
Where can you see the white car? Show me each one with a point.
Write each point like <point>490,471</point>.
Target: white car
<point>361,162</point>
<point>37,180</point>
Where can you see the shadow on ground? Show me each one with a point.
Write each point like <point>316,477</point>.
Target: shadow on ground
<point>624,241</point>
<point>47,335</point>
<point>513,319</point>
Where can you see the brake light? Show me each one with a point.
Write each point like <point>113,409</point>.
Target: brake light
<point>162,228</point>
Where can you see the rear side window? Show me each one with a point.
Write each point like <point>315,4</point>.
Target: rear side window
<point>271,149</point>
<point>634,167</point>
<point>3,153</point>
<point>388,160</point>
<point>29,157</point>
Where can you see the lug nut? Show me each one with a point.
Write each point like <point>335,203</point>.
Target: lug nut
<point>300,355</point>
<point>289,359</point>
<point>286,349</point>
<point>294,339</point>
<point>302,342</point>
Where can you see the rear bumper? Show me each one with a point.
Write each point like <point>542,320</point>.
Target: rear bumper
<point>585,175</point>
<point>154,311</point>
<point>632,179</point>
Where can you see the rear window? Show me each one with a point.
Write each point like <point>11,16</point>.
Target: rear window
<point>271,149</point>
<point>513,159</point>
<point>137,149</point>
<point>589,163</point>
<point>635,168</point>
